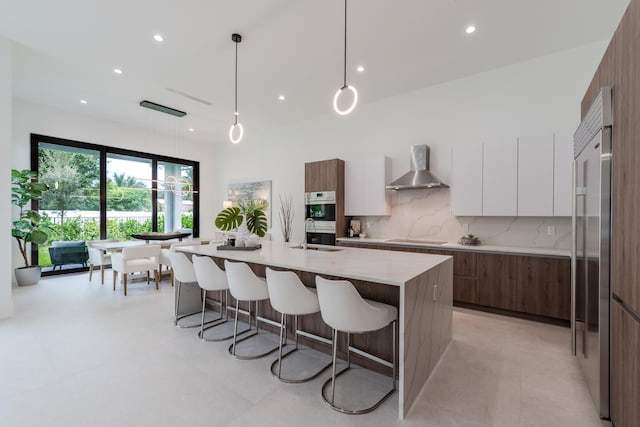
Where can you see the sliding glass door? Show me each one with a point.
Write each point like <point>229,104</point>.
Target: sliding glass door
<point>175,197</point>
<point>99,192</point>
<point>71,207</point>
<point>129,200</point>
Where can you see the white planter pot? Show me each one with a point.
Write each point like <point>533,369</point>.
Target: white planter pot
<point>27,276</point>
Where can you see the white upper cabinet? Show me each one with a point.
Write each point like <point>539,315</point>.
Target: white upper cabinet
<point>364,186</point>
<point>500,178</point>
<point>563,173</point>
<point>535,174</point>
<point>530,175</point>
<point>466,180</point>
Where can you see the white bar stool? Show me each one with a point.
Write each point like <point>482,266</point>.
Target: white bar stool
<point>211,278</point>
<point>291,297</point>
<point>165,257</point>
<point>184,273</point>
<point>343,309</point>
<point>244,285</point>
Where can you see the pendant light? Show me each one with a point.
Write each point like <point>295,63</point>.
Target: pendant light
<point>236,127</point>
<point>345,87</point>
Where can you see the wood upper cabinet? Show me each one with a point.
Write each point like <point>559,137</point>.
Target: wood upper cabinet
<point>466,180</point>
<point>364,186</point>
<point>535,174</point>
<point>328,175</point>
<point>500,178</point>
<point>496,281</point>
<point>543,286</point>
<point>325,175</point>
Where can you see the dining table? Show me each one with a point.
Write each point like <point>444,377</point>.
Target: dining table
<point>110,246</point>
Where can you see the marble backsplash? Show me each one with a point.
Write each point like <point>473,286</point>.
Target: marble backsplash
<point>426,215</point>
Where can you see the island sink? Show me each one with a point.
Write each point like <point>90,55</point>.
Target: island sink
<point>316,248</point>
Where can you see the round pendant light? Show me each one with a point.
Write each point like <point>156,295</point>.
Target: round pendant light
<point>345,87</point>
<point>236,131</point>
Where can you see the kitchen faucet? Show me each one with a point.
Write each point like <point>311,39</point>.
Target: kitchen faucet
<point>306,222</point>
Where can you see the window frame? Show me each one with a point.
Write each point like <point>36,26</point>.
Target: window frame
<point>103,151</point>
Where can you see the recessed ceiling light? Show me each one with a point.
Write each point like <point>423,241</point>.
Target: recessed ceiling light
<point>117,70</point>
<point>158,38</point>
<point>191,130</point>
<point>83,101</point>
<point>282,97</point>
<point>470,29</point>
<point>360,68</point>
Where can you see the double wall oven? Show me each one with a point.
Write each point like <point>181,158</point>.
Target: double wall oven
<point>320,206</point>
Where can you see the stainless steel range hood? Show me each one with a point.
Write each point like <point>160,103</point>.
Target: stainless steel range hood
<point>419,175</point>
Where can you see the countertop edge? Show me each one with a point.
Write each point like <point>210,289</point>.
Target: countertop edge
<point>208,250</point>
<point>509,250</point>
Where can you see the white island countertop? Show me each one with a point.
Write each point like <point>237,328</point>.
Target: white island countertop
<point>379,266</point>
<point>513,250</point>
<point>422,282</point>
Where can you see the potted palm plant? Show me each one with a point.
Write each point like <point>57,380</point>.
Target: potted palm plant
<point>248,214</point>
<point>26,228</point>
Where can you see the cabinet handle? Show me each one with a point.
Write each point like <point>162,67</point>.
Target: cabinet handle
<point>435,292</point>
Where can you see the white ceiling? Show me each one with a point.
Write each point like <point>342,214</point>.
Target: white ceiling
<point>66,50</point>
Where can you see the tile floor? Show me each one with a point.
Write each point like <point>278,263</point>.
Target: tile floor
<point>77,354</point>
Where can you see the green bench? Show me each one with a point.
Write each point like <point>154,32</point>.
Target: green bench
<point>71,252</point>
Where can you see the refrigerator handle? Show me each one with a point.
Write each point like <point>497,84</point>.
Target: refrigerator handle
<point>574,264</point>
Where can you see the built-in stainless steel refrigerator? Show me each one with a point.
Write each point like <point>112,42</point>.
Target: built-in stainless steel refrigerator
<point>591,294</point>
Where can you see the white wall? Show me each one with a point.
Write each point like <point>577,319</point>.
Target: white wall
<point>31,118</point>
<point>539,94</point>
<point>6,304</point>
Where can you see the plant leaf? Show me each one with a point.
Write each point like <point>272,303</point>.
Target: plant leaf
<point>229,219</point>
<point>39,237</point>
<point>257,222</point>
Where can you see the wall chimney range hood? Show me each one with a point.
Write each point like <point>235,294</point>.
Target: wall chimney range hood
<point>419,175</point>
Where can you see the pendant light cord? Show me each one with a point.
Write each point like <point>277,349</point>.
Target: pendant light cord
<point>344,85</point>
<point>235,112</point>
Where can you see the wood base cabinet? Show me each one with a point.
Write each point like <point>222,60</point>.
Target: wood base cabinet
<point>543,286</point>
<point>625,367</point>
<point>496,281</point>
<point>534,287</point>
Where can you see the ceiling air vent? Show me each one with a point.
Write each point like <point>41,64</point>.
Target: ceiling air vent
<point>162,108</point>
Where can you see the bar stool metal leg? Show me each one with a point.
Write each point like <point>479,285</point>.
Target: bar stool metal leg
<point>177,317</point>
<point>281,356</point>
<point>330,401</point>
<point>232,347</point>
<point>215,322</point>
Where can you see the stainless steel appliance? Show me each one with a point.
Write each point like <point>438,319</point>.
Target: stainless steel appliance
<point>591,294</point>
<point>320,206</point>
<point>419,175</point>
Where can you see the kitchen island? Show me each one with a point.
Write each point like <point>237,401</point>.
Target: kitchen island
<point>420,285</point>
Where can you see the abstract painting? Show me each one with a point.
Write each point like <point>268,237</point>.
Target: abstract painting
<point>259,191</point>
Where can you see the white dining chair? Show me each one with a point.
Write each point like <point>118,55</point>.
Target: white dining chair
<point>98,257</point>
<point>135,259</point>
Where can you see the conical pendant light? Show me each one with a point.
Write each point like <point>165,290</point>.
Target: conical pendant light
<point>236,127</point>
<point>344,87</point>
